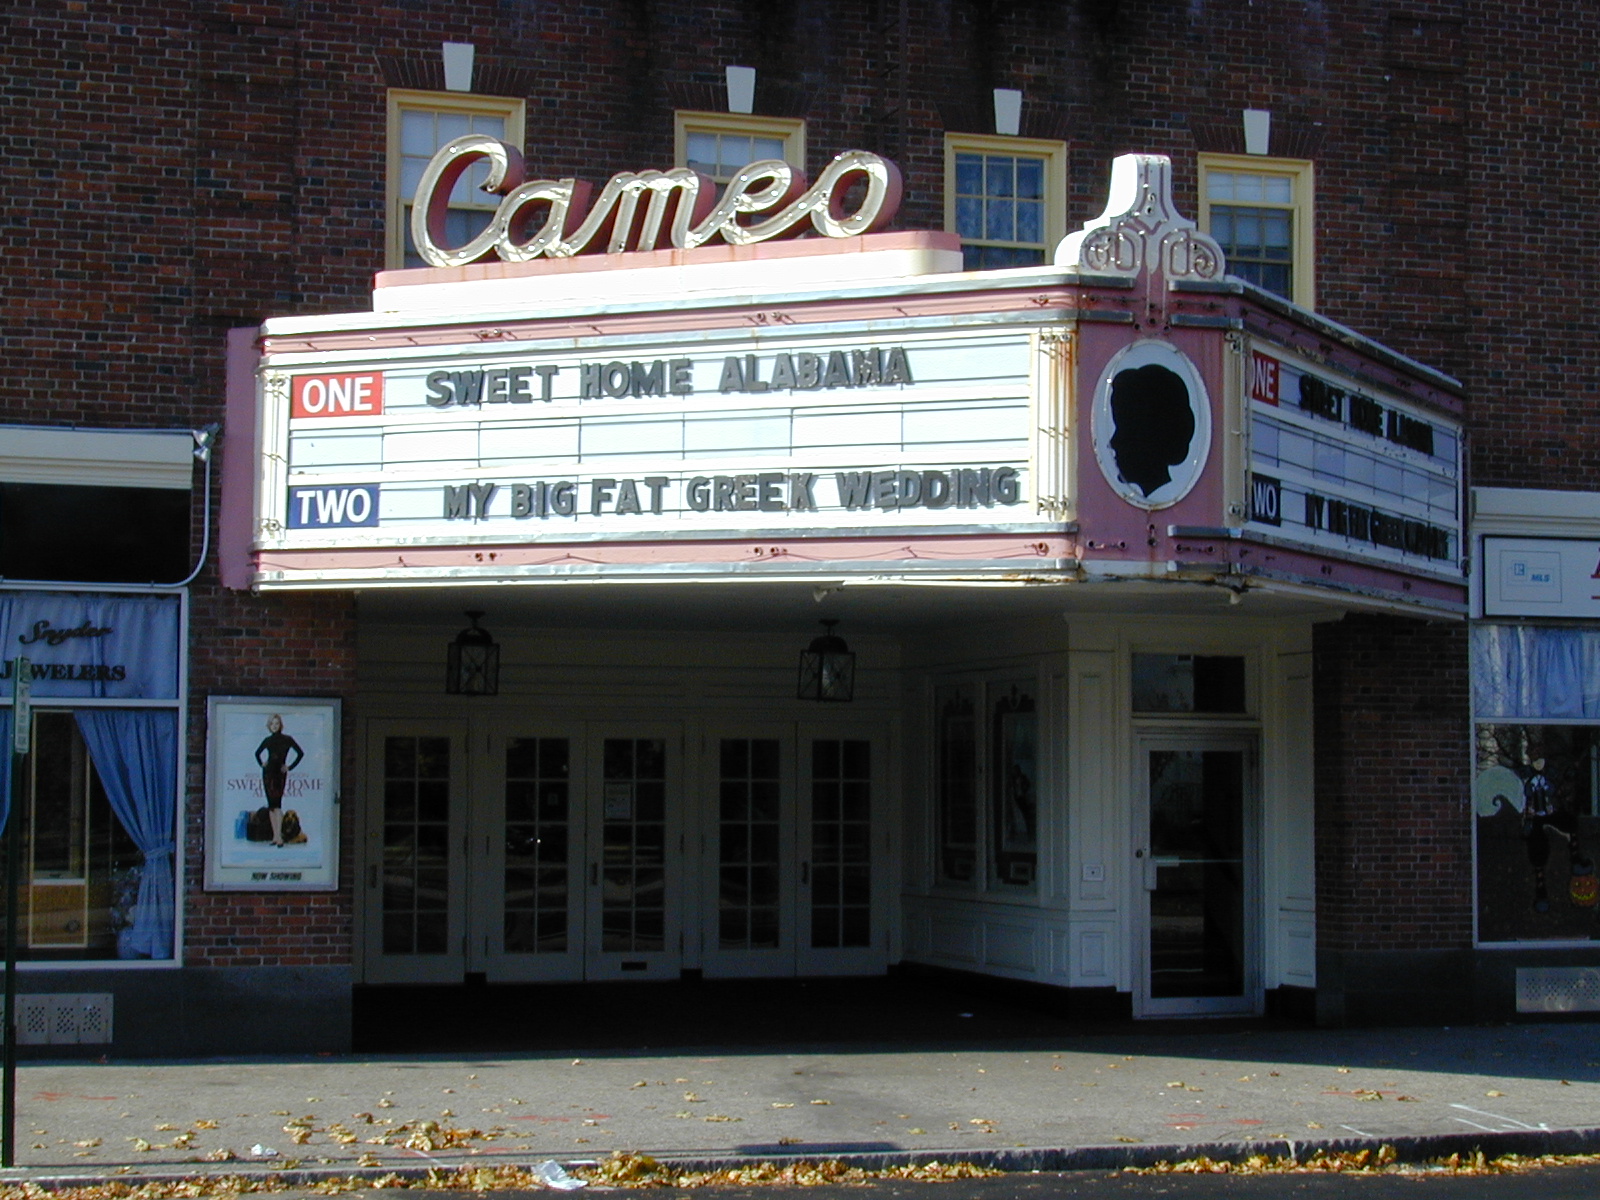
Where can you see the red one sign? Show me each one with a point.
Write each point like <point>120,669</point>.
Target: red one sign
<point>337,395</point>
<point>1263,378</point>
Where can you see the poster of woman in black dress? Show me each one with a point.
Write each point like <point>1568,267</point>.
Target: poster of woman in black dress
<point>273,757</point>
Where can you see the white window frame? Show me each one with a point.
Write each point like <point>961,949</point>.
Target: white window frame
<point>401,101</point>
<point>1302,180</point>
<point>791,130</point>
<point>1054,154</point>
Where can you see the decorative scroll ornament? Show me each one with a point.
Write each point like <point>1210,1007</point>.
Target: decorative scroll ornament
<point>644,210</point>
<point>1141,229</point>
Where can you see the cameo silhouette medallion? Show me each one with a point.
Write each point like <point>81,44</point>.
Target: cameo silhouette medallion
<point>1151,424</point>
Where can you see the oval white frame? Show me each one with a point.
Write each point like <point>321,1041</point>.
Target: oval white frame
<point>1184,474</point>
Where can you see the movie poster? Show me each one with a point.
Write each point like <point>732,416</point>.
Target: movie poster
<point>272,793</point>
<point>1536,791</point>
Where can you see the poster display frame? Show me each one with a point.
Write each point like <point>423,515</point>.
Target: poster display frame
<point>237,858</point>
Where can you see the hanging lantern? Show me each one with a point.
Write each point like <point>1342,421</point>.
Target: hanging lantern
<point>827,668</point>
<point>473,662</point>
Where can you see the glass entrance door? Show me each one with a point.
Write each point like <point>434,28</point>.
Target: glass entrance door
<point>636,851</point>
<point>528,852</point>
<point>793,820</point>
<point>415,853</point>
<point>1194,859</point>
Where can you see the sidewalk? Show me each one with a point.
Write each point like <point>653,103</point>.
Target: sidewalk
<point>1099,1100</point>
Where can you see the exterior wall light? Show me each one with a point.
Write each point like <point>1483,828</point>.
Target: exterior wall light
<point>827,669</point>
<point>473,662</point>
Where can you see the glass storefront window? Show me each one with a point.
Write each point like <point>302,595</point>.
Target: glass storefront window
<point>1536,782</point>
<point>86,886</point>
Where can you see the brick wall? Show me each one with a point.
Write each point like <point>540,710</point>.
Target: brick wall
<point>1393,820</point>
<point>184,168</point>
<point>301,645</point>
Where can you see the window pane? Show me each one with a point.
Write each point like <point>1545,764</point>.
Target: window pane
<point>417,133</point>
<point>969,175</point>
<point>1000,176</point>
<point>1278,189</point>
<point>452,126</point>
<point>1030,178</point>
<point>999,223</point>
<point>969,216</point>
<point>766,148</point>
<point>702,152</point>
<point>1030,221</point>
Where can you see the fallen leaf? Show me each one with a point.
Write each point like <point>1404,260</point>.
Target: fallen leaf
<point>280,1112</point>
<point>1408,1099</point>
<point>221,1154</point>
<point>1122,1138</point>
<point>1494,1093</point>
<point>640,1084</point>
<point>914,1129</point>
<point>140,1144</point>
<point>788,1141</point>
<point>368,1159</point>
<point>723,1117</point>
<point>779,1104</point>
<point>386,1103</point>
<point>691,1098</point>
<point>447,1112</point>
<point>165,1128</point>
<point>205,1125</point>
<point>448,1091</point>
<point>1244,1079</point>
<point>88,1143</point>
<point>1313,1125</point>
<point>1176,1083</point>
<point>822,1102</point>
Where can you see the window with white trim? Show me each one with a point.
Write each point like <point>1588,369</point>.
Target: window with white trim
<point>421,122</point>
<point>718,144</point>
<point>1260,212</point>
<point>1005,197</point>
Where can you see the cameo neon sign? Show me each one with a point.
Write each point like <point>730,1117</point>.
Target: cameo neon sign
<point>644,210</point>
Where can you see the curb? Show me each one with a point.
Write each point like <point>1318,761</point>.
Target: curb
<point>1413,1148</point>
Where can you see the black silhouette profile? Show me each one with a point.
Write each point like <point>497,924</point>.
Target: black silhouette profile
<point>1154,425</point>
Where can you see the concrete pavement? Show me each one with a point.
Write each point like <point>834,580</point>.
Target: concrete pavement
<point>1099,1100</point>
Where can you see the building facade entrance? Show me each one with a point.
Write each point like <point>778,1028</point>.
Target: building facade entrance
<point>526,850</point>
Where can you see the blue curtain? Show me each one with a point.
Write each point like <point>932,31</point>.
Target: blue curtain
<point>135,752</point>
<point>1531,672</point>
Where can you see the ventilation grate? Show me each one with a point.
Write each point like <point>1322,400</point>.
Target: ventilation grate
<point>64,1019</point>
<point>1558,989</point>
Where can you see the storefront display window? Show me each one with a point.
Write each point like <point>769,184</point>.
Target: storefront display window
<point>1014,783</point>
<point>97,812</point>
<point>1536,783</point>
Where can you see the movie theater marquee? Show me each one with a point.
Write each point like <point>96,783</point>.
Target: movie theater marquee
<point>636,440</point>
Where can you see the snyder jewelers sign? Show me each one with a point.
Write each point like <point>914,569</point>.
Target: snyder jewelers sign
<point>769,433</point>
<point>1343,467</point>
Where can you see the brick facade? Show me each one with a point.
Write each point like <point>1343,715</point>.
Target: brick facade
<point>184,169</point>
